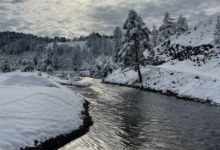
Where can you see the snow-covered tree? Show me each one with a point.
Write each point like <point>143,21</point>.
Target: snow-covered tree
<point>167,29</point>
<point>217,32</point>
<point>38,53</point>
<point>27,65</point>
<point>76,58</point>
<point>108,47</point>
<point>104,45</point>
<point>55,55</point>
<point>117,35</point>
<point>5,65</point>
<point>136,40</point>
<point>47,61</point>
<point>182,24</point>
<point>154,36</point>
<point>94,43</point>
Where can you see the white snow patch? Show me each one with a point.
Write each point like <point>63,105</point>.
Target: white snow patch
<point>72,82</point>
<point>120,76</point>
<point>35,108</point>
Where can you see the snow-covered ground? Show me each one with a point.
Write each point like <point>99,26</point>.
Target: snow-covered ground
<point>200,33</point>
<point>35,108</point>
<point>72,82</point>
<point>181,78</point>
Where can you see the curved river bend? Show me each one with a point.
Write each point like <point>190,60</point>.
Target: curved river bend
<point>130,119</point>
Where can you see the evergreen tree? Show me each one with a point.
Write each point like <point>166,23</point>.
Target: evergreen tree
<point>94,43</point>
<point>104,44</point>
<point>55,55</point>
<point>47,61</point>
<point>117,35</point>
<point>167,29</point>
<point>27,65</point>
<point>154,37</point>
<point>5,65</point>
<point>167,17</point>
<point>217,32</point>
<point>136,40</point>
<point>182,24</point>
<point>76,58</point>
<point>107,47</point>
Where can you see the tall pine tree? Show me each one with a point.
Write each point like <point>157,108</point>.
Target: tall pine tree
<point>167,29</point>
<point>136,40</point>
<point>182,24</point>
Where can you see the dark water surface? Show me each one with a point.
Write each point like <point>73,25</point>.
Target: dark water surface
<point>129,119</point>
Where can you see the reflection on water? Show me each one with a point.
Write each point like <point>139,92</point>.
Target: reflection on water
<point>126,118</point>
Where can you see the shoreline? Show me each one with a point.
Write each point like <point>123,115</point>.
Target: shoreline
<point>169,93</point>
<point>63,139</point>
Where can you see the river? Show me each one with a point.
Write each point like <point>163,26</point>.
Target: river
<point>130,119</point>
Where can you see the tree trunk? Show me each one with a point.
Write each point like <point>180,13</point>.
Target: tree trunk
<point>137,58</point>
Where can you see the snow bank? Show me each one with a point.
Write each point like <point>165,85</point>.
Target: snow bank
<point>183,84</point>
<point>186,82</point>
<point>35,108</point>
<point>72,82</point>
<point>128,77</point>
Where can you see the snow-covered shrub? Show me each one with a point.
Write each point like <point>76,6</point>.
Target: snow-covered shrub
<point>5,65</point>
<point>27,65</point>
<point>180,53</point>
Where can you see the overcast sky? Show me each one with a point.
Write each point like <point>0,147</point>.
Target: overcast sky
<point>80,17</point>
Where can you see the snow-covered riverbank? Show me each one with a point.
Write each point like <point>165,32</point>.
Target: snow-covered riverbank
<point>180,78</point>
<point>35,109</point>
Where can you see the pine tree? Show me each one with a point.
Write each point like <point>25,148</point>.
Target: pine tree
<point>117,35</point>
<point>47,61</point>
<point>55,55</point>
<point>27,65</point>
<point>182,24</point>
<point>167,17</point>
<point>94,44</point>
<point>167,29</point>
<point>76,58</point>
<point>104,44</point>
<point>154,37</point>
<point>217,32</point>
<point>136,40</point>
<point>5,65</point>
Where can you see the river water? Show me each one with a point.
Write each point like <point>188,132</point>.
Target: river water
<point>130,119</point>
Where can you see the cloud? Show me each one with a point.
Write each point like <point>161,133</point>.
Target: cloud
<point>2,8</point>
<point>12,1</point>
<point>80,17</point>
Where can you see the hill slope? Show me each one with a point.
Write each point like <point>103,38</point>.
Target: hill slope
<point>200,33</point>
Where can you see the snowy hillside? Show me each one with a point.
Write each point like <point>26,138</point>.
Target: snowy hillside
<point>200,33</point>
<point>196,44</point>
